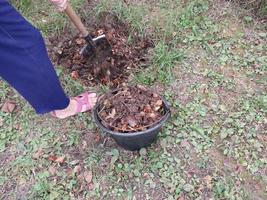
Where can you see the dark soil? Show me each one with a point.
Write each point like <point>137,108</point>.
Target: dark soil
<point>109,65</point>
<point>131,109</point>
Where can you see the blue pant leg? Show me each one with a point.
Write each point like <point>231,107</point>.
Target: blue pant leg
<point>24,62</point>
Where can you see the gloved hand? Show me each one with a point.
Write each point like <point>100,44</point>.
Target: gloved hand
<point>60,4</point>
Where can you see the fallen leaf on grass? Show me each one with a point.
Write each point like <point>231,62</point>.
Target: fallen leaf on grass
<point>182,197</point>
<point>223,135</point>
<point>60,159</point>
<point>69,172</point>
<point>56,159</point>
<point>97,138</point>
<point>52,158</point>
<point>88,176</point>
<point>84,144</point>
<point>208,180</point>
<point>38,153</point>
<point>143,44</point>
<point>74,162</point>
<point>80,177</point>
<point>200,189</point>
<point>77,169</point>
<point>52,170</point>
<point>8,106</point>
<point>188,187</point>
<point>91,186</point>
<point>146,175</point>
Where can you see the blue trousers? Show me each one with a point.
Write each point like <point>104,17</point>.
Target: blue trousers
<point>24,62</point>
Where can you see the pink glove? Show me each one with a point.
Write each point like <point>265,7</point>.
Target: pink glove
<point>60,4</point>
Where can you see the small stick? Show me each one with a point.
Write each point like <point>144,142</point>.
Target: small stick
<point>126,106</point>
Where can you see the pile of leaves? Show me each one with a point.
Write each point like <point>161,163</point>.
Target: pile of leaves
<point>109,65</point>
<point>131,109</point>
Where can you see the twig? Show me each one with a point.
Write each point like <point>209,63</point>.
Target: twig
<point>125,106</point>
<point>115,120</point>
<point>101,109</point>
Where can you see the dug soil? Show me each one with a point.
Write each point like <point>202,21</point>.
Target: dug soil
<point>111,64</point>
<point>131,109</point>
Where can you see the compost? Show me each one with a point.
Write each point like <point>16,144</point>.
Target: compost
<point>131,109</point>
<point>128,52</point>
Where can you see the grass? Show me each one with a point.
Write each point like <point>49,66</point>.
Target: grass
<point>44,16</point>
<point>210,66</point>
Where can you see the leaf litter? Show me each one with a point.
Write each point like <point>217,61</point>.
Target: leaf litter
<point>8,106</point>
<point>131,109</point>
<point>118,61</point>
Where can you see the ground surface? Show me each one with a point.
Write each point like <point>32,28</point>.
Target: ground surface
<point>209,60</point>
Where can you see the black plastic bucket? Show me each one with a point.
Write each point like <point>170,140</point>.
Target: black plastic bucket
<point>137,140</point>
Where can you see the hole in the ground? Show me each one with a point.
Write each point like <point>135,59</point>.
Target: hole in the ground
<point>126,55</point>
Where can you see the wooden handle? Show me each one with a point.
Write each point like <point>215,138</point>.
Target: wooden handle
<point>76,20</point>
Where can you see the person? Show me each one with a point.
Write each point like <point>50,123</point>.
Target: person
<point>25,65</point>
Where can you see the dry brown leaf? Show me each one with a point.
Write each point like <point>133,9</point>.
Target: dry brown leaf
<point>182,197</point>
<point>88,176</point>
<point>74,162</point>
<point>69,172</point>
<point>146,175</point>
<point>91,186</point>
<point>84,145</point>
<point>155,95</point>
<point>109,36</point>
<point>142,114</point>
<point>8,106</point>
<point>143,44</point>
<point>77,169</point>
<point>113,113</point>
<point>159,103</point>
<point>52,158</point>
<point>152,115</point>
<point>59,51</point>
<point>52,170</point>
<point>38,153</point>
<point>157,108</point>
<point>79,41</point>
<point>60,159</point>
<point>100,32</point>
<point>97,138</point>
<point>208,180</point>
<point>131,121</point>
<point>200,189</point>
<point>74,75</point>
<point>80,177</point>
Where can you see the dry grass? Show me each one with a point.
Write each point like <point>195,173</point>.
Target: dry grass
<point>258,7</point>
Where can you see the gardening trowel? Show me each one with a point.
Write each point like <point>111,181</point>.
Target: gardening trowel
<point>93,44</point>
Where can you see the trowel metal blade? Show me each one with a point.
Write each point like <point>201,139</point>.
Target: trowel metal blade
<point>88,50</point>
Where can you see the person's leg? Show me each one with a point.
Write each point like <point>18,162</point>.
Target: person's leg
<point>24,62</point>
